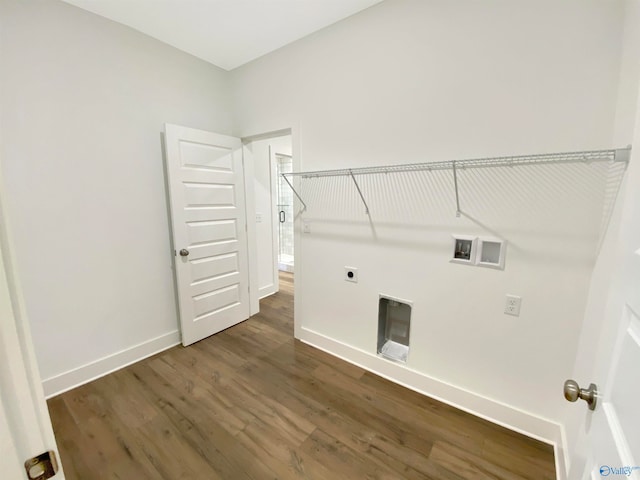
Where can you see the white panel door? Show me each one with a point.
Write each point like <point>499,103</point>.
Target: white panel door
<point>10,461</point>
<point>25,426</point>
<point>615,429</point>
<point>206,191</point>
<point>610,444</point>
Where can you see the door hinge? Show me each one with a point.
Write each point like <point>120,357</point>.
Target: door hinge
<point>175,254</point>
<point>42,467</point>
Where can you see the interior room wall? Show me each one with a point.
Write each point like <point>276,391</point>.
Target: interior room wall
<point>83,104</point>
<point>414,81</point>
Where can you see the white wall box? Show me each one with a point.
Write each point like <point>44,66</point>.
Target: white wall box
<point>491,252</point>
<point>464,249</point>
<point>394,326</point>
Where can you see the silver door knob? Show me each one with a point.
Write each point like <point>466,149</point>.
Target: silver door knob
<point>184,252</point>
<point>573,392</point>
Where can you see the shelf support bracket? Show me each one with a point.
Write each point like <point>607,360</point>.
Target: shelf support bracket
<point>294,191</point>
<point>360,192</point>
<point>455,184</point>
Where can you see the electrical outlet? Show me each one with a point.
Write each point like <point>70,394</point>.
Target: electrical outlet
<point>351,274</point>
<point>258,217</point>
<point>512,305</point>
<point>306,226</point>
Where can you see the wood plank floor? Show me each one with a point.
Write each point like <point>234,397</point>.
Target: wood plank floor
<point>252,403</point>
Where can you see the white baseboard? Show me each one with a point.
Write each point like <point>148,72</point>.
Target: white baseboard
<point>562,456</point>
<point>86,373</point>
<point>496,412</point>
<point>264,292</point>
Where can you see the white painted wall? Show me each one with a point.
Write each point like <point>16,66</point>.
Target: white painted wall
<point>83,105</point>
<point>264,169</point>
<point>412,81</point>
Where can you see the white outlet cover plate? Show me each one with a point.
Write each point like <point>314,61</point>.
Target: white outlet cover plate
<point>512,305</point>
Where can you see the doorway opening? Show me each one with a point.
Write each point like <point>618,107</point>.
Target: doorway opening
<point>284,197</point>
<point>268,156</point>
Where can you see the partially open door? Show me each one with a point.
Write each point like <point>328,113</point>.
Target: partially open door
<point>607,441</point>
<point>208,218</point>
<point>27,445</point>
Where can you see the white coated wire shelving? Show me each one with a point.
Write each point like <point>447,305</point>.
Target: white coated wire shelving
<point>589,156</point>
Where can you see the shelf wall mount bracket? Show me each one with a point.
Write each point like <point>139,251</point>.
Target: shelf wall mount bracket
<point>304,205</point>
<point>455,184</point>
<point>366,207</point>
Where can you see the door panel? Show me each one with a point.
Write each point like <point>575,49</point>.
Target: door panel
<point>208,219</point>
<point>608,441</point>
<point>208,195</point>
<point>210,268</point>
<point>211,157</point>
<point>211,285</point>
<point>205,250</point>
<point>10,462</point>
<point>621,409</point>
<point>615,438</point>
<point>25,426</point>
<point>612,436</point>
<point>210,303</point>
<point>211,232</point>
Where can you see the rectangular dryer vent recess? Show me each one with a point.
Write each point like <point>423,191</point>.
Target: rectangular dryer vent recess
<point>394,326</point>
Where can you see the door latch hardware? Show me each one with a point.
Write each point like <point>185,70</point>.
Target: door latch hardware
<point>572,392</point>
<point>42,467</point>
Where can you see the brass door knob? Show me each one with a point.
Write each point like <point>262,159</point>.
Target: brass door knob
<point>184,252</point>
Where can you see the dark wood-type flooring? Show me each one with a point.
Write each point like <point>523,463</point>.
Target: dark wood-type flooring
<point>252,402</point>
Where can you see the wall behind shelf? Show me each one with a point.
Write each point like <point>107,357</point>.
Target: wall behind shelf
<point>412,81</point>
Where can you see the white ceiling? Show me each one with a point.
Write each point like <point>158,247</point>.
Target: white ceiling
<point>227,33</point>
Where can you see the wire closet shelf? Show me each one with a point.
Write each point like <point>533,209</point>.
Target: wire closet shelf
<point>588,156</point>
